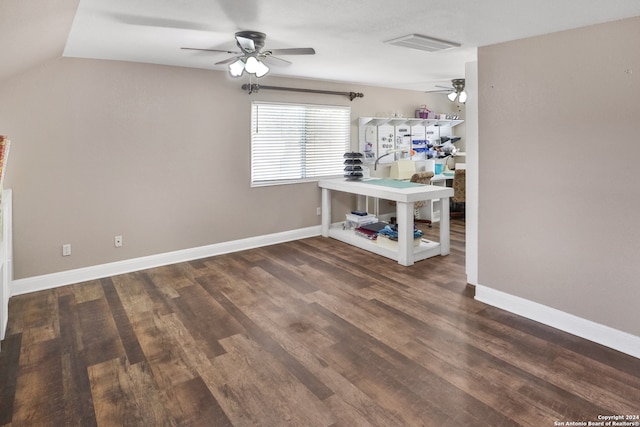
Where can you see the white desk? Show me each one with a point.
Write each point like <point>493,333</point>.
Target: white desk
<point>441,179</point>
<point>431,210</point>
<point>404,197</point>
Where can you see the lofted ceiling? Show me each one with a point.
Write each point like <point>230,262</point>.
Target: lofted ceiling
<point>348,35</point>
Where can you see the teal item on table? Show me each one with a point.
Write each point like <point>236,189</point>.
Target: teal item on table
<point>393,183</point>
<point>438,169</point>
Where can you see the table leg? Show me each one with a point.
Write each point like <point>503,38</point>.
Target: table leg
<point>444,226</point>
<point>326,212</point>
<point>404,211</point>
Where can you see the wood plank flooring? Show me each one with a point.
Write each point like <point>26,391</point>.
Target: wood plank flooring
<point>306,333</point>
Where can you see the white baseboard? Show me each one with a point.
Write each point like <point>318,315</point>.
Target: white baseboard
<point>583,328</point>
<point>54,280</point>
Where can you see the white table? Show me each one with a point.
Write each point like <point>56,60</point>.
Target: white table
<point>406,254</point>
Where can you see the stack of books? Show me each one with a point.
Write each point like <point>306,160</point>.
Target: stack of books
<point>358,219</point>
<point>370,231</point>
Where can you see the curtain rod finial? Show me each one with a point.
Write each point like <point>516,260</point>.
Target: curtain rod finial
<point>250,88</point>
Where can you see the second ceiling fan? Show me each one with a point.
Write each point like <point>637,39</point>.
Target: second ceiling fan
<point>251,57</point>
<point>456,91</point>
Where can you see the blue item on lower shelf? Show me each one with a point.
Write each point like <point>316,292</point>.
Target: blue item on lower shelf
<point>391,231</point>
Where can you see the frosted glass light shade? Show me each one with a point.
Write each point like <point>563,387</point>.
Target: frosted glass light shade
<point>251,65</point>
<point>236,68</point>
<point>261,69</point>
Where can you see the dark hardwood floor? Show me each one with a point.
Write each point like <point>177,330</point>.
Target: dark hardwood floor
<point>306,333</point>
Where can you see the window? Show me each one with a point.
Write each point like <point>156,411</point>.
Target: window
<point>297,142</point>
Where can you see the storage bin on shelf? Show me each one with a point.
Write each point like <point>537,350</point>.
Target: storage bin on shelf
<point>353,166</point>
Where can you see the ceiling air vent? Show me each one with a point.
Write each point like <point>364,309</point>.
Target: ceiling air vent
<point>417,41</point>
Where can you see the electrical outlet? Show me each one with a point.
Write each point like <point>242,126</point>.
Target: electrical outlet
<point>117,240</point>
<point>66,249</point>
<point>318,211</point>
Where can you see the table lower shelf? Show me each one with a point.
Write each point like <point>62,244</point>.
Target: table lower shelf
<point>426,249</point>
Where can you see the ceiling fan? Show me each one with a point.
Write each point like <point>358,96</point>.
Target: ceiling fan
<point>251,57</point>
<point>456,91</point>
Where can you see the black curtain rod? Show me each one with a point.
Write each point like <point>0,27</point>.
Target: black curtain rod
<point>251,88</point>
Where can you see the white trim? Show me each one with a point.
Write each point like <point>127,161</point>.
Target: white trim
<point>472,162</point>
<point>601,334</point>
<point>54,280</point>
<point>6,258</point>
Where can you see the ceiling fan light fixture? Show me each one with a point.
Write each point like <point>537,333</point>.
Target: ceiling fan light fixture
<point>251,65</point>
<point>236,68</point>
<point>452,96</point>
<point>261,69</point>
<point>462,97</point>
<point>254,66</point>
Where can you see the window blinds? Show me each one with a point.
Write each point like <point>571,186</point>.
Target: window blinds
<point>294,142</point>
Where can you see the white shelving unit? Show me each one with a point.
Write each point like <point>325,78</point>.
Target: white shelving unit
<point>398,121</point>
<point>376,135</point>
<point>379,134</point>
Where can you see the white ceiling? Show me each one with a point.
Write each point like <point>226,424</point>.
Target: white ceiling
<point>348,35</point>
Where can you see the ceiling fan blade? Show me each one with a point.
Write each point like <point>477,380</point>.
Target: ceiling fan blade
<point>274,60</point>
<point>440,89</point>
<point>227,61</point>
<point>294,51</point>
<point>246,44</point>
<point>212,50</point>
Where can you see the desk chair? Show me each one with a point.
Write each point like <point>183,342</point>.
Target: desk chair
<point>459,193</point>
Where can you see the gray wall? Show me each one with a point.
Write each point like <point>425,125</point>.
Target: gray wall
<point>157,154</point>
<point>559,193</point>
